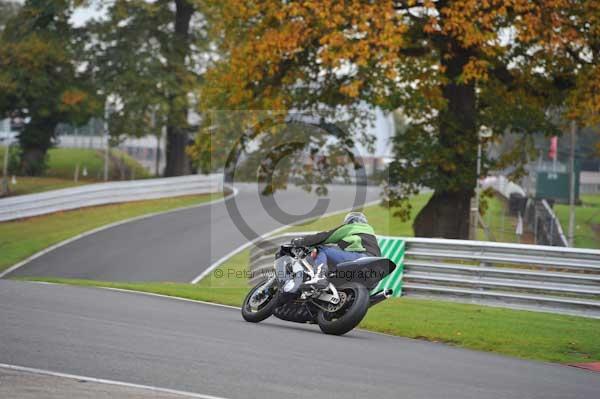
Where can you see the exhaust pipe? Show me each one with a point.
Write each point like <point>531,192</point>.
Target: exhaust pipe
<point>380,296</point>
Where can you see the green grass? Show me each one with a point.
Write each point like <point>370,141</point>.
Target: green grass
<point>500,223</point>
<point>30,185</point>
<point>587,221</point>
<point>380,218</point>
<point>62,163</point>
<point>20,239</point>
<point>528,335</point>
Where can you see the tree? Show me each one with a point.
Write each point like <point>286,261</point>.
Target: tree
<point>39,79</point>
<point>147,60</point>
<point>8,9</point>
<point>451,66</point>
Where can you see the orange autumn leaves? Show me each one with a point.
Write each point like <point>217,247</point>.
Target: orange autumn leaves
<point>73,97</point>
<point>273,45</point>
<point>344,51</point>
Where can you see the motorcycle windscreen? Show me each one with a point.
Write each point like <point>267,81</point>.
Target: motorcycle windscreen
<point>283,268</point>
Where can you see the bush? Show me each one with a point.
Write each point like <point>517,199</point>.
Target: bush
<point>14,159</point>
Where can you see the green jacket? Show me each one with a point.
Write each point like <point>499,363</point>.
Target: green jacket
<point>355,237</point>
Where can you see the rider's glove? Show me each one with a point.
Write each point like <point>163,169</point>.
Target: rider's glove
<point>297,242</point>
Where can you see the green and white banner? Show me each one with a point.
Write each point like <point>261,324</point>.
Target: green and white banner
<point>393,249</point>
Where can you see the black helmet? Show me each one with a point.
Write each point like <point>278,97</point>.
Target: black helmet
<point>355,217</point>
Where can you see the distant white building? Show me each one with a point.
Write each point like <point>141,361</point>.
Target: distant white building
<point>589,182</point>
<point>5,131</point>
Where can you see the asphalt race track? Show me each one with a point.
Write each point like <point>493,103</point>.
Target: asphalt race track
<point>209,349</point>
<point>178,246</point>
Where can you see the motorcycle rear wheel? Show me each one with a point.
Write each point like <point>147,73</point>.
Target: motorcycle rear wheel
<point>350,315</point>
<point>265,309</point>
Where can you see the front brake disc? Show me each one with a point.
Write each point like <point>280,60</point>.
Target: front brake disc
<point>335,307</point>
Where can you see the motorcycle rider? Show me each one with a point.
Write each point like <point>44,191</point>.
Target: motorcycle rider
<point>354,239</point>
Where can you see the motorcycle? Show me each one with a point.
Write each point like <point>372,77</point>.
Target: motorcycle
<point>337,309</point>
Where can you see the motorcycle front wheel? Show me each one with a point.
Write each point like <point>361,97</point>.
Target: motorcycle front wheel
<point>351,312</point>
<point>260,302</point>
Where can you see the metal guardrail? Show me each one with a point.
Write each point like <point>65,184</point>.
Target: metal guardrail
<point>546,225</point>
<point>261,260</point>
<point>23,206</point>
<point>531,277</point>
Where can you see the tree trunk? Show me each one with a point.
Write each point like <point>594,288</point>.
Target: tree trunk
<point>35,140</point>
<point>33,161</point>
<point>177,162</point>
<point>446,215</point>
<point>447,212</point>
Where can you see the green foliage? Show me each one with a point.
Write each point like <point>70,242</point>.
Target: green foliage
<point>128,64</point>
<point>39,80</point>
<point>447,64</point>
<point>8,9</point>
<point>14,159</point>
<point>147,58</point>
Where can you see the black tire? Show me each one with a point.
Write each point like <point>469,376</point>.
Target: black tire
<point>265,310</point>
<point>340,323</point>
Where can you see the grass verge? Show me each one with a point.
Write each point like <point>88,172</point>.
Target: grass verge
<point>587,221</point>
<point>30,185</point>
<point>382,219</point>
<point>62,163</point>
<point>22,238</point>
<point>501,225</point>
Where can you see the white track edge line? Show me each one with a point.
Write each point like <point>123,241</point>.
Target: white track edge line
<point>180,299</point>
<point>132,291</point>
<point>239,249</point>
<point>109,226</point>
<point>171,297</point>
<point>108,382</point>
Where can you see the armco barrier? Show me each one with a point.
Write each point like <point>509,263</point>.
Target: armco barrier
<point>23,206</point>
<point>532,277</point>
